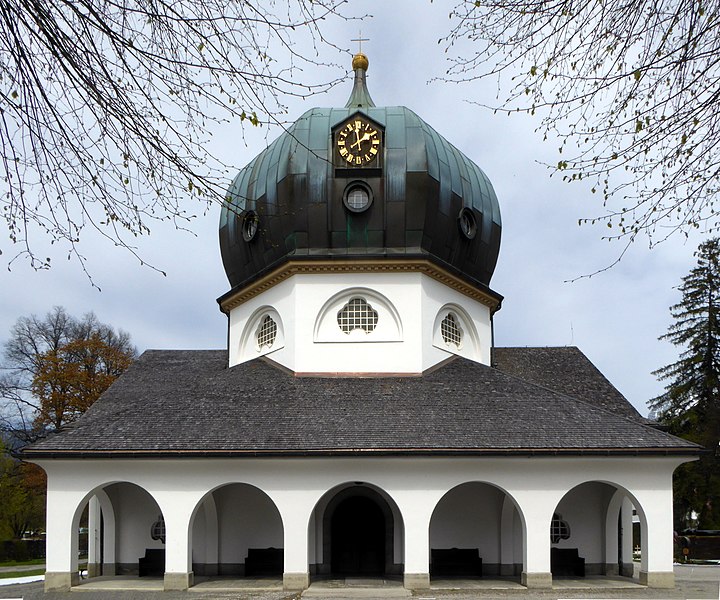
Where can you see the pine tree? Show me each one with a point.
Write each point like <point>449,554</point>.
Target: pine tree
<point>690,405</point>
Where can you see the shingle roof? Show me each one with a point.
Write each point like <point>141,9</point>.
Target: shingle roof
<point>565,370</point>
<point>190,403</point>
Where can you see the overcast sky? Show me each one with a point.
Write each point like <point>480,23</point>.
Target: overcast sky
<point>614,317</point>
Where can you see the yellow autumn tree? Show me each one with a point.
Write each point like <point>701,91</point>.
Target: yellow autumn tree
<point>71,377</point>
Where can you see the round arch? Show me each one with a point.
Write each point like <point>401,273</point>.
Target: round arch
<point>356,528</point>
<point>593,521</point>
<point>236,530</point>
<point>476,528</point>
<point>113,507</point>
<point>388,327</point>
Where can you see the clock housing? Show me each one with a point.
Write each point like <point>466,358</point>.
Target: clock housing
<point>358,145</point>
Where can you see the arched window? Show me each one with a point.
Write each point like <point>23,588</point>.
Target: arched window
<point>454,331</point>
<point>266,333</point>
<point>357,314</point>
<point>559,529</point>
<point>450,331</point>
<point>263,333</point>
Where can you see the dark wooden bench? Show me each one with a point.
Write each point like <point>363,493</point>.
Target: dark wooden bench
<point>153,563</point>
<point>264,561</point>
<point>455,562</point>
<point>567,561</point>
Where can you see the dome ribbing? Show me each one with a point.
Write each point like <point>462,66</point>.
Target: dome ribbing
<point>424,194</point>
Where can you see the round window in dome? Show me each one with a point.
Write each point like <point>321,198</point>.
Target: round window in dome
<point>250,225</point>
<point>357,197</point>
<point>467,223</point>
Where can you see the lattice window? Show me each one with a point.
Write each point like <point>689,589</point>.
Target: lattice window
<point>157,529</point>
<point>267,333</point>
<point>357,314</point>
<point>450,330</point>
<point>559,529</point>
<point>358,198</point>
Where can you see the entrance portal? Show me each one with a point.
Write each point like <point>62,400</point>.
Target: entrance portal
<point>358,537</point>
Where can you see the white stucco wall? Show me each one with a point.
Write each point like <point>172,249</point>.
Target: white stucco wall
<point>135,512</point>
<point>469,517</point>
<point>415,485</point>
<point>406,339</point>
<point>584,509</point>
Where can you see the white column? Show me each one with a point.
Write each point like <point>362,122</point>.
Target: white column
<point>416,508</point>
<point>656,522</point>
<point>537,508</point>
<point>61,562</point>
<point>626,523</point>
<point>108,534</point>
<point>211,535</point>
<point>295,508</point>
<point>176,508</point>
<point>507,537</point>
<point>612,517</point>
<point>94,537</point>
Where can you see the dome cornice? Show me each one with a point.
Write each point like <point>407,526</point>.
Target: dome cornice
<point>240,295</point>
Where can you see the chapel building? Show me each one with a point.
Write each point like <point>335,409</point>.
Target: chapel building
<point>361,421</point>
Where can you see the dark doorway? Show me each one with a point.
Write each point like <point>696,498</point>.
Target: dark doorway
<point>358,537</point>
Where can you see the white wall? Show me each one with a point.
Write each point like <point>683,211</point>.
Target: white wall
<point>584,509</point>
<point>469,517</point>
<point>247,518</point>
<point>415,485</point>
<point>404,341</point>
<point>135,512</point>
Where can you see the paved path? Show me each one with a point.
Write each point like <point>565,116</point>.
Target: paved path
<point>692,583</point>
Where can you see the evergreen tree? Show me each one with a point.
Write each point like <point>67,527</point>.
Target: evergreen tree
<point>690,405</point>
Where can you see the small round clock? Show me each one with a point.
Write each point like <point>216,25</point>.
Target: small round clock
<point>358,142</point>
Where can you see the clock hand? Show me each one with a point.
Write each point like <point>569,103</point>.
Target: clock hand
<point>360,140</point>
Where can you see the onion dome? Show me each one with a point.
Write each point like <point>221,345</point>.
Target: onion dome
<point>360,182</point>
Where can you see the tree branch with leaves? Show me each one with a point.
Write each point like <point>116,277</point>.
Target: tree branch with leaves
<point>630,89</point>
<point>55,368</point>
<point>106,107</point>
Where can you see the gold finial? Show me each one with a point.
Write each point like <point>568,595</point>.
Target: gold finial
<point>360,61</point>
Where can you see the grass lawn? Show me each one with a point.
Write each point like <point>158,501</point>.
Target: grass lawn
<point>22,563</point>
<point>10,573</point>
<point>13,574</point>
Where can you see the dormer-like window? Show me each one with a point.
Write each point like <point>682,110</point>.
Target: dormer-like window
<point>454,331</point>
<point>450,331</point>
<point>267,332</point>
<point>357,314</point>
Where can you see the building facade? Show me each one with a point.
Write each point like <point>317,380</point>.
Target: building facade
<point>360,422</point>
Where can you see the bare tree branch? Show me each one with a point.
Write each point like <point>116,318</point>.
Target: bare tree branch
<point>106,106</point>
<point>631,90</point>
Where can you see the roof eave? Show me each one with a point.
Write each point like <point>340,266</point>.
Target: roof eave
<point>434,452</point>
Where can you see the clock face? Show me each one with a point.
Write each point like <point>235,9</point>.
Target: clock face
<point>358,142</point>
